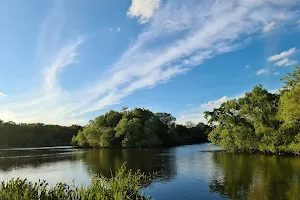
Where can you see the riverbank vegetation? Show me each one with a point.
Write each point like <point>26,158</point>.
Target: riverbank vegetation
<point>124,185</point>
<point>260,121</point>
<point>35,135</point>
<point>129,128</point>
<point>139,128</point>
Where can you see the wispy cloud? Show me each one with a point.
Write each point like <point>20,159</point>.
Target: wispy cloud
<point>47,102</point>
<point>118,29</point>
<point>282,55</point>
<point>261,71</point>
<point>143,9</point>
<point>283,58</point>
<point>2,95</point>
<point>269,27</point>
<point>276,73</point>
<point>65,57</point>
<point>247,66</point>
<point>203,30</point>
<point>282,62</point>
<point>285,62</point>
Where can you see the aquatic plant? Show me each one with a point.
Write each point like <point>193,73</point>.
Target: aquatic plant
<point>123,185</point>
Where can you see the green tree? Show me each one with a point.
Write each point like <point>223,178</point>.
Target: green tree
<point>260,121</point>
<point>166,118</point>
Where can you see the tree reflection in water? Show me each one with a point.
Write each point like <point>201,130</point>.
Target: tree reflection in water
<point>106,161</point>
<point>256,176</point>
<point>96,161</point>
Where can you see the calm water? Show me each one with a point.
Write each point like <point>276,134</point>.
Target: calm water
<point>187,172</point>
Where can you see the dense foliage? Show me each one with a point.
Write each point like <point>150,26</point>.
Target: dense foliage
<point>260,121</point>
<point>35,135</point>
<point>124,185</point>
<point>138,128</point>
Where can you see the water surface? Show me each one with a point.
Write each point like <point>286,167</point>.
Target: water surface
<point>186,172</point>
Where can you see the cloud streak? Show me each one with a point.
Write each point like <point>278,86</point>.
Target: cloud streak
<point>269,27</point>
<point>282,55</point>
<point>200,31</point>
<point>261,71</point>
<point>282,59</point>
<point>65,57</point>
<point>285,62</point>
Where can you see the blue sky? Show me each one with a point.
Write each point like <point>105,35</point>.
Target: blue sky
<point>67,62</point>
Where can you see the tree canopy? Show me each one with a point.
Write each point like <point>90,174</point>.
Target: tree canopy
<point>138,128</point>
<point>260,121</point>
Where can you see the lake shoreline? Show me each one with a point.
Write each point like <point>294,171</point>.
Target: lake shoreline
<point>193,172</point>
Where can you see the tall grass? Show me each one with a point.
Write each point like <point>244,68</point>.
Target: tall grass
<point>123,185</point>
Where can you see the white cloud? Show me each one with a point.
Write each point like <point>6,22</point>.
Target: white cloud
<point>269,27</point>
<point>261,71</point>
<point>214,104</point>
<point>276,73</point>
<point>2,95</point>
<point>118,29</point>
<point>47,101</point>
<point>143,9</point>
<point>65,57</point>
<point>285,62</point>
<point>196,114</point>
<point>247,66</point>
<point>203,30</point>
<point>274,90</point>
<point>281,62</point>
<point>291,63</point>
<point>282,55</point>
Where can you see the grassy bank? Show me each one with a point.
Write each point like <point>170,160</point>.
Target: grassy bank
<point>123,185</point>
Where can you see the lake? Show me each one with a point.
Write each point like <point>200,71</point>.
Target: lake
<point>185,172</point>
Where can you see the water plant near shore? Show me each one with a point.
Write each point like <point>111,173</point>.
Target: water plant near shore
<point>123,185</point>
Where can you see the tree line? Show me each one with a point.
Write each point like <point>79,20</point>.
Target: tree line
<point>138,128</point>
<point>35,135</point>
<point>260,121</point>
<point>128,128</point>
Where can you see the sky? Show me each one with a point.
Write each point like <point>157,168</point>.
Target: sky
<point>66,62</point>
